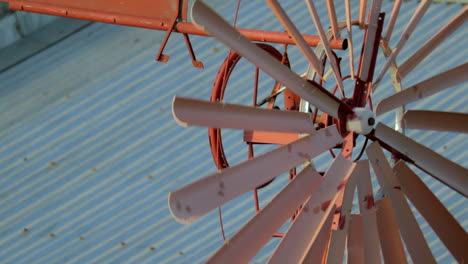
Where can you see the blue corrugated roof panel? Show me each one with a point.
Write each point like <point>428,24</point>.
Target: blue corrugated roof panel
<point>89,149</point>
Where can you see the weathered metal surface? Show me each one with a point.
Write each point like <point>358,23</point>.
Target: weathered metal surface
<point>89,148</point>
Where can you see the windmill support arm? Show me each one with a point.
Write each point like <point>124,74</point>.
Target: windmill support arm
<point>138,14</point>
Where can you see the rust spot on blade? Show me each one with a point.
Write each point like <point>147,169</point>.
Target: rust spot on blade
<point>188,209</point>
<point>397,187</point>
<point>325,205</point>
<point>370,201</point>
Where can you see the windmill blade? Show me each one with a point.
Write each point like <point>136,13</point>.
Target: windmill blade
<point>370,36</point>
<point>208,20</point>
<point>410,231</point>
<point>450,173</point>
<point>296,35</point>
<point>362,13</point>
<point>369,219</point>
<point>333,20</point>
<point>326,44</point>
<point>435,120</point>
<point>349,30</point>
<point>338,238</point>
<point>439,218</point>
<point>318,251</point>
<point>424,89</point>
<point>392,247</point>
<point>414,21</point>
<point>392,20</point>
<point>303,231</point>
<point>433,43</point>
<point>245,244</point>
<point>356,240</point>
<point>198,198</point>
<point>221,115</point>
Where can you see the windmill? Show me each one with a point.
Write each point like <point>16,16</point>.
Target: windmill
<point>349,118</point>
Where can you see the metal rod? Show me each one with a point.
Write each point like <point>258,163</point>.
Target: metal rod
<point>164,24</point>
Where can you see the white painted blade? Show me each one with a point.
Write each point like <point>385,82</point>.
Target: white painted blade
<point>333,19</point>
<point>410,231</point>
<point>317,251</point>
<point>392,20</point>
<point>209,21</point>
<point>390,240</point>
<point>369,219</point>
<point>349,30</point>
<point>221,115</point>
<point>435,120</point>
<point>326,44</point>
<point>450,173</point>
<point>369,41</point>
<point>433,43</point>
<point>439,218</point>
<point>198,198</point>
<point>338,239</point>
<point>296,36</point>
<point>303,231</point>
<point>362,13</point>
<point>245,244</point>
<point>424,89</point>
<point>412,24</point>
<point>356,242</point>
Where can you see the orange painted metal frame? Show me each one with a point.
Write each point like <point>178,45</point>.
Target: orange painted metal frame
<point>148,14</point>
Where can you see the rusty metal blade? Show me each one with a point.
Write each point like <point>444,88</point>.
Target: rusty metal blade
<point>410,231</point>
<point>450,232</point>
<point>220,29</point>
<point>450,173</point>
<point>326,44</point>
<point>409,29</point>
<point>221,115</point>
<point>433,43</point>
<point>424,89</point>
<point>245,244</point>
<point>367,210</point>
<point>435,120</point>
<point>198,198</point>
<point>296,36</point>
<point>390,240</point>
<point>303,231</point>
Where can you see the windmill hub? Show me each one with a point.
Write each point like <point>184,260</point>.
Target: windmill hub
<point>362,122</point>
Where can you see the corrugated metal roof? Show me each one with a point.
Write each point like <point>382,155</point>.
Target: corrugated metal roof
<point>89,149</point>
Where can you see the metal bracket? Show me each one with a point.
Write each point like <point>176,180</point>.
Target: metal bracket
<point>160,56</point>
<point>196,64</point>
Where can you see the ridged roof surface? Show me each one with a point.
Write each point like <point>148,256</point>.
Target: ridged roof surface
<point>89,149</point>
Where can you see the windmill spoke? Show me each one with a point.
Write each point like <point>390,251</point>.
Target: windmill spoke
<point>245,244</point>
<point>390,240</point>
<point>198,198</point>
<point>392,20</point>
<point>424,89</point>
<point>326,44</point>
<point>410,231</point>
<point>440,219</point>
<point>296,35</point>
<point>349,30</point>
<point>433,43</point>
<point>435,120</point>
<point>412,24</point>
<point>312,92</point>
<point>302,233</point>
